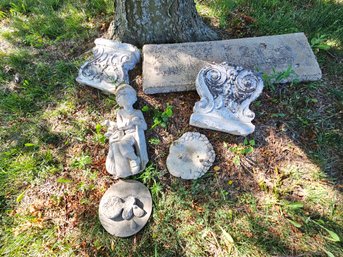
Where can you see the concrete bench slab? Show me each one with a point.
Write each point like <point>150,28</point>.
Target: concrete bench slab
<point>174,67</point>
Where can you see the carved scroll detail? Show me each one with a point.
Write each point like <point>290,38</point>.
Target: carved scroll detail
<point>110,65</point>
<point>226,93</point>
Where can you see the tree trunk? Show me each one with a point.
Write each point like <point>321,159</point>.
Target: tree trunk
<point>158,21</point>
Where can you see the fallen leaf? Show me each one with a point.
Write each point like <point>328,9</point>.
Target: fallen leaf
<point>216,168</point>
<point>294,223</point>
<point>20,197</point>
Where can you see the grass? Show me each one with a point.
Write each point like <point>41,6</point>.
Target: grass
<point>276,193</point>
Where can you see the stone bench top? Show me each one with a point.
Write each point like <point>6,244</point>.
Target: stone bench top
<point>174,67</point>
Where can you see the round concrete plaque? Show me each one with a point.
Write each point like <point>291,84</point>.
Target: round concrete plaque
<point>125,208</point>
<point>191,156</point>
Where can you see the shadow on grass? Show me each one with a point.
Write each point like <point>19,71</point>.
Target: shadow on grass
<point>189,217</point>
<point>194,228</point>
<point>40,25</point>
<point>307,132</point>
<point>252,18</point>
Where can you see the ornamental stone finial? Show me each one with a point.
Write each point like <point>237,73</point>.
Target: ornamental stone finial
<point>110,65</point>
<point>226,93</point>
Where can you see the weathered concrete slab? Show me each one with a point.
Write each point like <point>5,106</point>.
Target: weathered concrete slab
<point>174,67</point>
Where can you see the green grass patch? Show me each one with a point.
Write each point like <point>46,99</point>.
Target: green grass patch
<point>275,193</point>
<point>317,18</point>
<point>39,24</point>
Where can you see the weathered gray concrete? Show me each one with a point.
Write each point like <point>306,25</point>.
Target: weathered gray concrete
<point>110,65</point>
<point>127,153</point>
<point>191,156</point>
<point>174,67</point>
<point>125,208</point>
<point>225,95</point>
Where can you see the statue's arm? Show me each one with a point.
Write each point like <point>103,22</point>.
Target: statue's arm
<point>141,121</point>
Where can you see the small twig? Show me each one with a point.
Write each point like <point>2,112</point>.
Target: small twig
<point>332,55</point>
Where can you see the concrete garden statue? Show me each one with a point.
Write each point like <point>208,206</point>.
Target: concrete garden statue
<point>127,153</point>
<point>125,208</point>
<point>226,93</point>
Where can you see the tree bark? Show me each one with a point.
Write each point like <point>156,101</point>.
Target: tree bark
<point>158,21</point>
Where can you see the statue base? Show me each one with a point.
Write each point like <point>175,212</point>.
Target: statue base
<point>233,126</point>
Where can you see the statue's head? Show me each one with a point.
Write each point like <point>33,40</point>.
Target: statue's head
<point>125,95</point>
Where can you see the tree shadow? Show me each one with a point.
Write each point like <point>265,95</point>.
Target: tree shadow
<point>184,233</point>
<point>42,25</point>
<point>295,137</point>
<point>250,18</point>
<point>195,205</point>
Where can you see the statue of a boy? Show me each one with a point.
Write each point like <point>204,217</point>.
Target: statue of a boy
<point>127,153</point>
